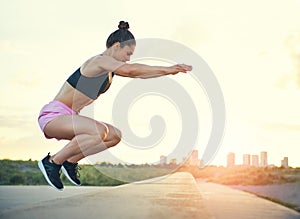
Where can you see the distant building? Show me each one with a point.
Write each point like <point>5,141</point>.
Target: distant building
<point>193,159</point>
<point>263,159</point>
<point>230,159</point>
<point>163,160</point>
<point>201,163</point>
<point>246,159</point>
<point>173,161</point>
<point>285,162</point>
<point>194,155</point>
<point>255,160</point>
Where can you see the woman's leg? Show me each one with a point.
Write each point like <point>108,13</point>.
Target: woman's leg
<point>87,137</point>
<point>112,139</point>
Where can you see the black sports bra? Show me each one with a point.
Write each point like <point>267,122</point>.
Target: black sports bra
<point>90,86</point>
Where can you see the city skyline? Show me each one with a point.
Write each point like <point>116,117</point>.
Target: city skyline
<point>253,160</point>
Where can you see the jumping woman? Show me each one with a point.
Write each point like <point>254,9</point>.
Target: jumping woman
<point>60,118</point>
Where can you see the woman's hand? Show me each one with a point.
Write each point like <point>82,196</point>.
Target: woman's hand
<point>179,68</point>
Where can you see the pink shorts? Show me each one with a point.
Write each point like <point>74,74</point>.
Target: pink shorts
<point>50,111</point>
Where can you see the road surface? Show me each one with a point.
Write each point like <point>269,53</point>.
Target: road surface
<point>176,196</point>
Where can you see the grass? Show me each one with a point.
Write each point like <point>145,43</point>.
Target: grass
<point>286,204</point>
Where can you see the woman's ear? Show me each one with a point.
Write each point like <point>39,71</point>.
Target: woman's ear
<point>116,45</point>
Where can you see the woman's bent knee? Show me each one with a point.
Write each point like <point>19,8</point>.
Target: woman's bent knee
<point>115,137</point>
<point>118,134</point>
<point>102,130</point>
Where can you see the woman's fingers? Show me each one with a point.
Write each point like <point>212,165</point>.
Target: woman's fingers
<point>180,68</point>
<point>184,68</point>
<point>187,67</point>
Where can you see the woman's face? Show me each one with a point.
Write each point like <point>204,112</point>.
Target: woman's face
<point>123,54</point>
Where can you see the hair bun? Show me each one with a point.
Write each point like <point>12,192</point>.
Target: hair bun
<point>123,25</point>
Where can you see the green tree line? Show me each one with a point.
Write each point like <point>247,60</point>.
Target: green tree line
<point>104,174</point>
<point>243,175</point>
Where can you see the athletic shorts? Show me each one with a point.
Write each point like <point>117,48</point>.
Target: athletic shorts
<point>50,111</point>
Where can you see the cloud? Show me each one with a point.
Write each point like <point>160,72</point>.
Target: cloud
<point>10,47</point>
<point>12,121</point>
<point>282,127</point>
<point>293,43</point>
<point>27,79</point>
<point>193,32</point>
<point>2,140</point>
<point>288,81</point>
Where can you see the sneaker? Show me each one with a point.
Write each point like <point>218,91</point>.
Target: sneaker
<point>51,172</point>
<point>71,172</point>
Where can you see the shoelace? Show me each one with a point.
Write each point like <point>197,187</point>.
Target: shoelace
<point>77,168</point>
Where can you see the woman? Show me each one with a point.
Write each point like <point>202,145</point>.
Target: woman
<point>60,118</point>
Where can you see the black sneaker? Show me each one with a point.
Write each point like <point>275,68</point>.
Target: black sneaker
<point>51,172</point>
<point>71,172</point>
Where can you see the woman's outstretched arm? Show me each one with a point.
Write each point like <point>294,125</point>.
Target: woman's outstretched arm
<point>147,71</point>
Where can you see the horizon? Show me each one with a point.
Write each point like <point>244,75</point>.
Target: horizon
<point>184,161</point>
<point>179,164</point>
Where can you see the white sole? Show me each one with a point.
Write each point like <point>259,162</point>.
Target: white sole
<point>67,175</point>
<point>41,166</point>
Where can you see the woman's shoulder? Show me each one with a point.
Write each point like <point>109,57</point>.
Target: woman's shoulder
<point>103,57</point>
<point>107,63</point>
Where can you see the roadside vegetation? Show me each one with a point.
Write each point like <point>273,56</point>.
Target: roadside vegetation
<point>242,175</point>
<point>104,174</point>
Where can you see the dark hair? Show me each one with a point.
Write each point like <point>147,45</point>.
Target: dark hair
<point>122,35</point>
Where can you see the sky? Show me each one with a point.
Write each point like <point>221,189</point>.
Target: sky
<point>253,49</point>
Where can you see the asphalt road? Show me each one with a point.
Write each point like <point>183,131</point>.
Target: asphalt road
<point>174,197</point>
<point>18,196</point>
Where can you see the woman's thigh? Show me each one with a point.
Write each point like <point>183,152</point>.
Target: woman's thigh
<point>68,126</point>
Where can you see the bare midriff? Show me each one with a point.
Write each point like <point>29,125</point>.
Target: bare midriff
<point>73,98</point>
